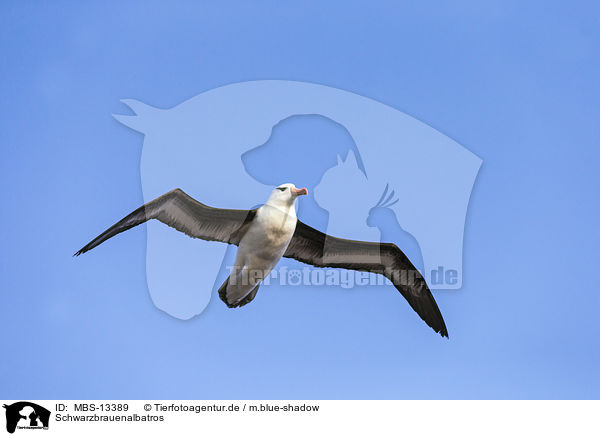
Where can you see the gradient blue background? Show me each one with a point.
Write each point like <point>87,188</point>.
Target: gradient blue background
<point>516,83</point>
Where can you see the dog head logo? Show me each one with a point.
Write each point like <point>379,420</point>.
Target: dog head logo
<point>26,415</point>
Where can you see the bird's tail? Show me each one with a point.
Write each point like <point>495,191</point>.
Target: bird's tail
<point>247,299</point>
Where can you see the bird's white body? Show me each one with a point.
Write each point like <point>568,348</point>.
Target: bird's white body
<point>264,244</point>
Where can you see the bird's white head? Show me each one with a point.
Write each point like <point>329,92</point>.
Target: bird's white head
<point>285,195</point>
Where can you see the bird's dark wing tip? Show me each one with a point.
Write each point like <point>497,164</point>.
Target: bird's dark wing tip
<point>440,328</point>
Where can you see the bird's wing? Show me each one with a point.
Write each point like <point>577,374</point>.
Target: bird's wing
<point>315,248</point>
<point>183,213</point>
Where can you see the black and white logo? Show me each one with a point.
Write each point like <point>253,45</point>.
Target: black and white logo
<point>26,415</point>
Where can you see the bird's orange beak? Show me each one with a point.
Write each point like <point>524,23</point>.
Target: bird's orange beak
<point>297,192</point>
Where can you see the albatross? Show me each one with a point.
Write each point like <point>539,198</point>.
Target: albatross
<point>266,234</point>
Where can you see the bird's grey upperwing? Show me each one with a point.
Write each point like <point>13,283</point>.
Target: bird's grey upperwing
<point>313,247</point>
<point>180,211</point>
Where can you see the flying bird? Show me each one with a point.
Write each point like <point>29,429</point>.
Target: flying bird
<point>266,234</point>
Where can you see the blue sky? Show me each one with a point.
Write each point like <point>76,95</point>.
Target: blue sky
<point>514,83</point>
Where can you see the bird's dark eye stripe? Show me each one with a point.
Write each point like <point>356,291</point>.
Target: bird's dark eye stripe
<point>282,189</point>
